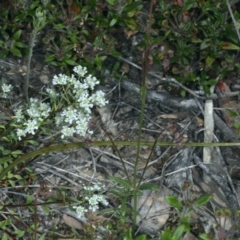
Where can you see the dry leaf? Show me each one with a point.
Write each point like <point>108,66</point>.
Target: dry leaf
<point>72,222</point>
<point>129,33</point>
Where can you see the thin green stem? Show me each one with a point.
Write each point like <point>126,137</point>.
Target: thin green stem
<point>119,155</point>
<point>145,68</point>
<point>31,45</point>
<point>67,146</point>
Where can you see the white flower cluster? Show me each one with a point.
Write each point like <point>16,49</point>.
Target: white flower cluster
<point>71,119</point>
<point>74,119</point>
<point>92,202</point>
<point>6,88</point>
<point>32,118</point>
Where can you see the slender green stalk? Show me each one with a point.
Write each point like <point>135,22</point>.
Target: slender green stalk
<point>31,45</point>
<point>145,68</point>
<point>38,23</point>
<point>119,155</point>
<point>62,147</point>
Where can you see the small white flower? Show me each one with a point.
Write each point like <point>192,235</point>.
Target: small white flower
<point>20,133</point>
<point>6,88</point>
<point>52,93</point>
<point>98,98</point>
<point>61,79</point>
<point>80,71</point>
<point>69,114</point>
<point>33,112</point>
<point>102,200</point>
<point>93,208</point>
<point>97,188</point>
<point>105,202</point>
<point>72,80</point>
<point>93,200</point>
<point>80,88</point>
<point>80,211</point>
<point>31,126</point>
<point>82,96</point>
<point>67,131</point>
<point>91,81</point>
<point>58,119</point>
<point>86,188</point>
<point>19,115</point>
<point>85,104</point>
<point>34,100</point>
<point>81,127</point>
<point>44,107</point>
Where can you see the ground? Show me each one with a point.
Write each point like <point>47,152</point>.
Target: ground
<point>60,177</point>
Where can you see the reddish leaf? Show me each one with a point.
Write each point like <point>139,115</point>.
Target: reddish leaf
<point>221,85</point>
<point>178,3</point>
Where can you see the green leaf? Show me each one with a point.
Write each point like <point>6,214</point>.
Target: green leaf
<point>3,53</point>
<point>131,23</point>
<point>16,153</point>
<point>17,35</point>
<point>4,117</point>
<point>204,236</point>
<point>98,60</point>
<point>117,192</point>
<point>12,183</point>
<point>205,44</point>
<point>32,142</point>
<point>207,90</point>
<point>30,198</point>
<point>16,52</point>
<point>148,186</point>
<point>42,236</point>
<point>74,40</point>
<point>229,46</point>
<point>141,237</point>
<point>121,181</point>
<point>167,235</point>
<point>179,231</point>
<point>20,16</point>
<point>113,22</point>
<point>131,14</point>
<point>108,211</point>
<point>209,61</point>
<point>18,177</point>
<point>6,152</point>
<point>232,113</point>
<point>49,58</point>
<point>58,26</point>
<point>212,82</point>
<point>46,208</point>
<point>5,159</point>
<point>4,237</point>
<point>196,40</point>
<point>167,32</point>
<point>173,201</point>
<point>186,221</point>
<point>19,233</point>
<point>203,200</point>
<point>20,45</point>
<point>71,62</point>
<point>112,2</point>
<point>237,125</point>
